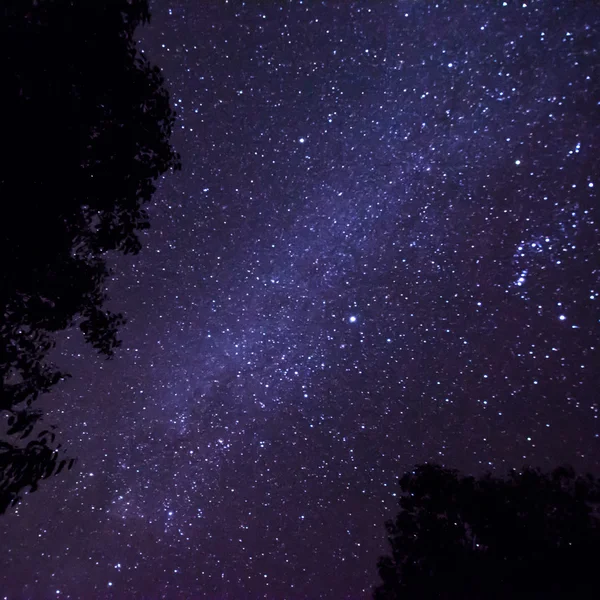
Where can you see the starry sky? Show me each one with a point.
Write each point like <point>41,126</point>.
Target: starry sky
<point>382,250</point>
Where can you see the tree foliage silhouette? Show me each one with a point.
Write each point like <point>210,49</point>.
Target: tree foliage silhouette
<point>86,133</point>
<point>531,535</point>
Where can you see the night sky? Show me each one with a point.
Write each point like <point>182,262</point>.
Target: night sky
<point>383,249</point>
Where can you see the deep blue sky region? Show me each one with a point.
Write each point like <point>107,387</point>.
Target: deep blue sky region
<point>382,249</point>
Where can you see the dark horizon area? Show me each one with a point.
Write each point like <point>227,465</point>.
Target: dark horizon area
<point>381,250</point>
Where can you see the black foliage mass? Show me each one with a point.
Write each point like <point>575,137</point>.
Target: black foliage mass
<point>85,134</point>
<point>530,535</point>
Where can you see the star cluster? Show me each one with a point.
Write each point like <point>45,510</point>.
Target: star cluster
<point>382,249</point>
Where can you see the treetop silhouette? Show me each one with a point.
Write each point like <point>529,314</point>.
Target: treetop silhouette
<point>530,535</point>
<point>86,133</point>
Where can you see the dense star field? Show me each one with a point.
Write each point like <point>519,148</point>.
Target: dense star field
<point>382,249</point>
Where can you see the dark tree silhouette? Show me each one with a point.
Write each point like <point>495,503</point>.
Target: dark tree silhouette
<point>85,134</point>
<point>531,535</point>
